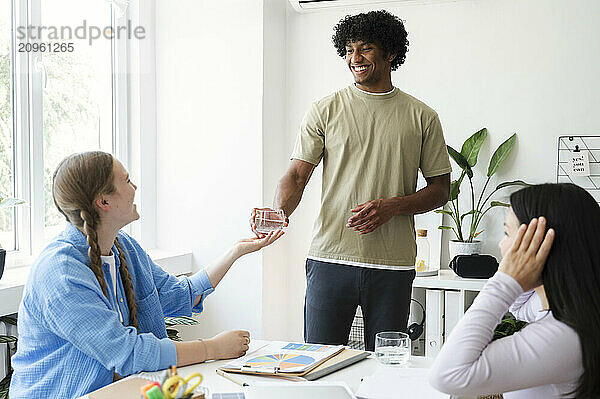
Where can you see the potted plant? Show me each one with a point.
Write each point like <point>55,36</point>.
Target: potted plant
<point>466,159</point>
<point>173,333</point>
<point>6,203</point>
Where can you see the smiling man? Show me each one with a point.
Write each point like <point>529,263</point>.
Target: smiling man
<point>373,138</point>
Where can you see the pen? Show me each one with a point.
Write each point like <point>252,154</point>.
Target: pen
<point>232,378</point>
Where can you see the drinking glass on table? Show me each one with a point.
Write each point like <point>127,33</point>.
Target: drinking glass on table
<point>392,347</point>
<point>268,220</point>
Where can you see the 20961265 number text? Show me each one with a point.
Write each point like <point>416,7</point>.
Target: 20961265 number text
<point>46,47</point>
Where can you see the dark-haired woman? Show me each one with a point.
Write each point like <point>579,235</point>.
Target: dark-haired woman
<point>558,354</point>
<point>94,303</point>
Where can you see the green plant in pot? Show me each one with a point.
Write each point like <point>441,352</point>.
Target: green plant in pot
<point>6,203</point>
<point>466,159</point>
<point>172,333</point>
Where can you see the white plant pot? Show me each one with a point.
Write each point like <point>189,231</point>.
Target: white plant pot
<point>463,248</point>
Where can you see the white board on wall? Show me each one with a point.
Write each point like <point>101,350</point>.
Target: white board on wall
<point>589,146</point>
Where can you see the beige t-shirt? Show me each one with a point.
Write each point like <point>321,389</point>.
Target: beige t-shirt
<point>372,147</point>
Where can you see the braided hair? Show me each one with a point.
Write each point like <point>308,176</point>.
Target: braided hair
<point>78,181</point>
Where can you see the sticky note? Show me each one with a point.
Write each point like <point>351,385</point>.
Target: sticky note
<point>579,164</point>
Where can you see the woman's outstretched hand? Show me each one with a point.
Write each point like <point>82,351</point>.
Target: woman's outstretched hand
<point>526,257</point>
<point>219,267</point>
<point>248,245</point>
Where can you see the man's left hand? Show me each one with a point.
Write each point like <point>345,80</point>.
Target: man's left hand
<point>371,214</point>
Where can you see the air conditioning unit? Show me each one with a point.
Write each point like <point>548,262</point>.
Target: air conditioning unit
<point>304,6</point>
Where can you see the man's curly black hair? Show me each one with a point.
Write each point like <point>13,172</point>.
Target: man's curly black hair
<point>378,27</point>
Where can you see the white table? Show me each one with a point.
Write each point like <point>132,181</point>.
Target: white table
<point>350,375</point>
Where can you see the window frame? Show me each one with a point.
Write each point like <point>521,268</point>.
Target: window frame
<point>28,134</point>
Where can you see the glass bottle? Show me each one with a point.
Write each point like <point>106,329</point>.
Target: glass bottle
<point>422,265</point>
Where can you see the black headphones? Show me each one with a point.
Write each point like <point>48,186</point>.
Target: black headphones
<point>416,329</point>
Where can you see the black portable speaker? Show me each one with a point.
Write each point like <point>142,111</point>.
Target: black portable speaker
<point>474,266</point>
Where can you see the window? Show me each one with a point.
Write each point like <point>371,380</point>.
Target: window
<point>54,100</point>
<point>76,95</point>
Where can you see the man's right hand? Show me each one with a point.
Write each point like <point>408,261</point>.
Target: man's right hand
<point>253,221</point>
<point>227,345</point>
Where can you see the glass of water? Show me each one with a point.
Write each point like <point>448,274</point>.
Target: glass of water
<point>267,220</point>
<point>392,347</point>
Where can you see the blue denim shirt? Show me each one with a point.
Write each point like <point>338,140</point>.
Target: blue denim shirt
<point>70,336</point>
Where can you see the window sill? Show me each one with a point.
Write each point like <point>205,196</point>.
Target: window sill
<point>173,262</point>
<point>14,278</point>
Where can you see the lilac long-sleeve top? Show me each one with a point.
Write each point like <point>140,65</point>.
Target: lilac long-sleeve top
<point>543,360</point>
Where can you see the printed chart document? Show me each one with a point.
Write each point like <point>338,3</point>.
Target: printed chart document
<point>291,358</point>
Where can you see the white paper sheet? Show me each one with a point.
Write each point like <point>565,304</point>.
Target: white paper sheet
<point>579,164</point>
<point>396,382</point>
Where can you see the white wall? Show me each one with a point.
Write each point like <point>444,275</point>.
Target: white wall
<point>526,66</point>
<point>275,160</point>
<point>235,78</point>
<point>209,106</point>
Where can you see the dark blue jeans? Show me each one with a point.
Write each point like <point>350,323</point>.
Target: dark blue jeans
<point>333,292</point>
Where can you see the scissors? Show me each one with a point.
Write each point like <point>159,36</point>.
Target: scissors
<point>177,386</point>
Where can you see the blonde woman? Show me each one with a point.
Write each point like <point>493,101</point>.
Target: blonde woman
<point>94,303</point>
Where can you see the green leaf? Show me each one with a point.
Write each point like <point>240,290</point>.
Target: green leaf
<point>498,203</point>
<point>512,183</point>
<point>8,202</point>
<point>173,335</point>
<point>444,227</point>
<point>472,145</point>
<point>501,154</point>
<point>9,320</point>
<point>508,326</point>
<point>460,161</point>
<point>4,339</point>
<point>183,320</point>
<point>445,212</point>
<point>476,234</point>
<point>458,158</point>
<point>471,212</point>
<point>455,188</point>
